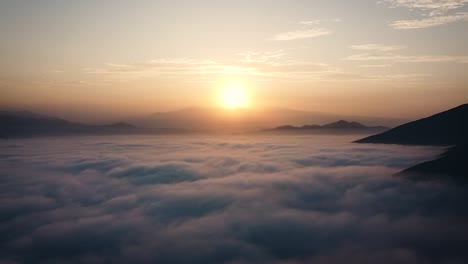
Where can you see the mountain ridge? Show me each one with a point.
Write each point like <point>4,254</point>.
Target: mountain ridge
<point>448,128</point>
<point>451,163</point>
<point>245,119</point>
<point>341,125</point>
<point>445,128</point>
<point>27,124</point>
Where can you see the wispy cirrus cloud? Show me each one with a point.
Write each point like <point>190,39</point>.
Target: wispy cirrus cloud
<point>262,57</point>
<point>167,67</point>
<point>308,29</point>
<point>377,47</point>
<point>436,7</point>
<point>318,21</point>
<point>407,59</point>
<point>264,65</point>
<point>435,13</point>
<point>387,55</point>
<point>303,34</point>
<point>374,66</point>
<point>429,22</point>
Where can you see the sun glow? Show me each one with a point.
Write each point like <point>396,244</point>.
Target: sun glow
<point>233,96</point>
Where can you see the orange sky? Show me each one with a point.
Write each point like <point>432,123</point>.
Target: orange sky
<point>98,60</point>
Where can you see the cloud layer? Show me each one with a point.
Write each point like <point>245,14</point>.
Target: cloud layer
<point>230,199</point>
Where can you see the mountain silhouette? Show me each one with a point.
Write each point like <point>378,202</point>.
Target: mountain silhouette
<point>27,124</point>
<point>446,128</point>
<point>201,118</point>
<point>341,126</point>
<point>344,124</point>
<point>452,163</point>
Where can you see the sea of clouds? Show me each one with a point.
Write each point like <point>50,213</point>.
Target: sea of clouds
<point>224,199</point>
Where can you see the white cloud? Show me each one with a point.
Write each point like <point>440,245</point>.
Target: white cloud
<point>303,34</point>
<point>435,13</point>
<point>224,200</point>
<point>374,66</point>
<point>266,65</point>
<point>307,30</point>
<point>318,21</point>
<point>429,22</point>
<point>377,47</point>
<point>310,22</point>
<point>407,59</point>
<point>262,57</point>
<point>436,7</point>
<point>168,67</point>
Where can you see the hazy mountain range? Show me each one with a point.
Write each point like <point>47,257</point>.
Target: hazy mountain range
<point>194,119</point>
<point>340,126</point>
<point>27,124</point>
<point>447,128</point>
<point>247,119</point>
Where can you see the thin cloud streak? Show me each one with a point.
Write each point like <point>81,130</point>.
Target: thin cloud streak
<point>307,31</point>
<point>407,59</point>
<point>267,66</point>
<point>302,34</point>
<point>437,7</point>
<point>377,47</point>
<point>429,22</point>
<point>375,66</point>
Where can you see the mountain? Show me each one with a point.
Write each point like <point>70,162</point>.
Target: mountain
<point>199,118</point>
<point>341,126</point>
<point>452,163</point>
<point>193,119</point>
<point>446,128</point>
<point>27,124</point>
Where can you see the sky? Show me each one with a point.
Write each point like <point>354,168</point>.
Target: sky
<point>109,59</point>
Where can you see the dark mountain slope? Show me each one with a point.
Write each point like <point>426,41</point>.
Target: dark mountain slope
<point>446,128</point>
<point>453,163</point>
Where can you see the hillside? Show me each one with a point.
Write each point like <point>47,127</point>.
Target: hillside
<point>452,163</point>
<point>446,128</point>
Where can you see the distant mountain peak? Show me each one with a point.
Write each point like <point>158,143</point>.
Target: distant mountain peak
<point>344,124</point>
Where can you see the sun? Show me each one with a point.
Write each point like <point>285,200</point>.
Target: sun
<point>233,96</point>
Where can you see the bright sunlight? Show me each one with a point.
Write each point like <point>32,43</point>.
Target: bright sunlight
<point>233,96</point>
